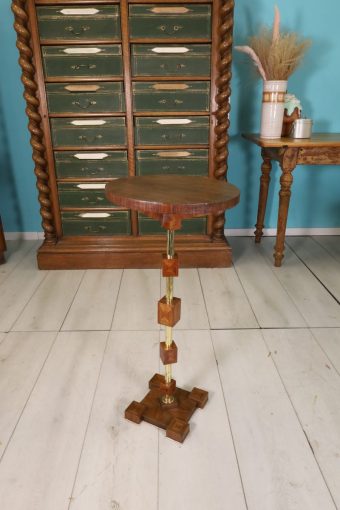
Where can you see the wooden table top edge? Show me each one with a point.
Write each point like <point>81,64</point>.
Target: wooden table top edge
<point>162,206</point>
<point>316,140</point>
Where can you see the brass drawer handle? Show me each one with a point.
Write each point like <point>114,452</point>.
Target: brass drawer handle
<point>95,230</point>
<point>86,170</point>
<point>84,138</point>
<point>82,29</point>
<point>168,101</point>
<point>91,200</point>
<point>170,86</point>
<point>79,12</point>
<point>77,67</point>
<point>86,104</point>
<point>173,137</point>
<point>91,155</point>
<point>167,67</point>
<point>170,29</point>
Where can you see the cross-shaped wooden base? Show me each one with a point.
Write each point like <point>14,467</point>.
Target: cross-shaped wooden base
<point>173,418</point>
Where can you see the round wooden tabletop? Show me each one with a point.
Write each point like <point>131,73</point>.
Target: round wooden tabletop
<point>181,195</point>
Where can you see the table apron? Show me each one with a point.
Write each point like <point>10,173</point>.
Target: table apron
<point>319,156</point>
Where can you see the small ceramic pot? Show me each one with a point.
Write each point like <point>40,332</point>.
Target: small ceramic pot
<point>272,108</point>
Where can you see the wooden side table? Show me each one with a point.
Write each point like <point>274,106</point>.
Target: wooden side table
<point>169,199</point>
<point>320,149</point>
<point>2,244</point>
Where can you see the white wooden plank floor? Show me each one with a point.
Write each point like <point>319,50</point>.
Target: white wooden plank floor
<point>76,347</point>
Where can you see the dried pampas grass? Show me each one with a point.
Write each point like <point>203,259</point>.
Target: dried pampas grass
<point>275,55</point>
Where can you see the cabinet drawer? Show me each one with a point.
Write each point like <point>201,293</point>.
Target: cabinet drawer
<point>168,131</point>
<point>98,97</point>
<point>83,195</point>
<point>184,96</point>
<point>72,22</point>
<point>185,162</point>
<point>96,224</point>
<point>148,226</point>
<point>88,132</point>
<point>170,60</point>
<point>98,165</point>
<point>82,61</point>
<point>170,21</point>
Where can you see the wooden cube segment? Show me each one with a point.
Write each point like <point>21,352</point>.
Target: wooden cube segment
<point>134,412</point>
<point>168,355</point>
<point>177,430</point>
<point>169,313</point>
<point>200,397</point>
<point>168,388</point>
<point>170,266</point>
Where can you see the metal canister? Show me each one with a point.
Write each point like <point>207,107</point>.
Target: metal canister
<point>302,128</point>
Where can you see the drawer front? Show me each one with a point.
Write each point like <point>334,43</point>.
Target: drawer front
<point>99,165</point>
<point>170,60</point>
<point>96,224</point>
<point>88,132</point>
<point>186,162</point>
<point>148,226</point>
<point>72,22</point>
<point>184,96</point>
<point>82,61</point>
<point>83,195</point>
<point>168,131</point>
<point>98,97</point>
<point>170,21</point>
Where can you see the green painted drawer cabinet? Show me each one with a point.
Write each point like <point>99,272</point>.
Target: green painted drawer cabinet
<point>189,21</point>
<point>171,96</point>
<point>74,98</point>
<point>119,88</point>
<point>170,60</point>
<point>82,61</point>
<point>93,165</point>
<point>79,22</point>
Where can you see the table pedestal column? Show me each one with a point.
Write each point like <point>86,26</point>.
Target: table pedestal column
<point>165,405</point>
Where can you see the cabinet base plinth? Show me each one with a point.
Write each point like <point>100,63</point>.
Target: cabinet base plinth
<point>173,418</point>
<point>133,252</point>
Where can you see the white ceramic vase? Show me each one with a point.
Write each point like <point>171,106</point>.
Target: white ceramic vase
<point>272,108</point>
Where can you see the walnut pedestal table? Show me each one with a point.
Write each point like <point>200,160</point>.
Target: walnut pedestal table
<point>169,199</point>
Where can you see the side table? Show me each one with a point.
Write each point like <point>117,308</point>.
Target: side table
<point>169,199</point>
<point>320,149</point>
<point>2,244</point>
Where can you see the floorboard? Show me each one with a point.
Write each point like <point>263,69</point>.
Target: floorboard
<point>17,290</point>
<point>331,244</point>
<point>203,471</point>
<point>314,388</point>
<point>49,305</point>
<point>22,356</point>
<point>272,305</point>
<point>119,463</point>
<point>329,341</point>
<point>314,302</point>
<point>16,252</point>
<point>324,266</point>
<point>277,466</point>
<point>137,300</point>
<point>41,460</point>
<point>94,303</point>
<point>226,302</point>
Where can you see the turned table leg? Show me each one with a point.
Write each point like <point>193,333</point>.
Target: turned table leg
<point>264,186</point>
<point>166,405</point>
<point>288,163</point>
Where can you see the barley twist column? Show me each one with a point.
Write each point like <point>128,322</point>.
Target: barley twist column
<point>32,111</point>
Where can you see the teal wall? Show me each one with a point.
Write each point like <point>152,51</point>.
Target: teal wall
<point>316,192</point>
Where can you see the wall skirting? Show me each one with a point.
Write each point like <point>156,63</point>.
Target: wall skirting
<point>240,232</point>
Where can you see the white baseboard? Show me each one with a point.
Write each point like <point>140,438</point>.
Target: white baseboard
<point>24,236</point>
<point>237,232</point>
<point>245,232</point>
